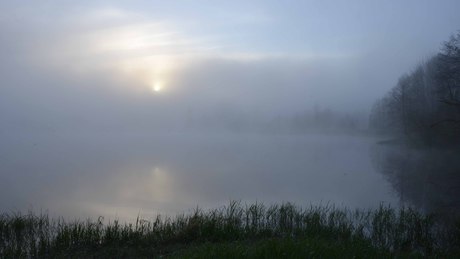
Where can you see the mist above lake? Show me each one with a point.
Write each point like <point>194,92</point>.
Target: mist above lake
<point>121,176</point>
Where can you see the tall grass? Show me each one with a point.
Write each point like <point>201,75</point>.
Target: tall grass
<point>393,230</point>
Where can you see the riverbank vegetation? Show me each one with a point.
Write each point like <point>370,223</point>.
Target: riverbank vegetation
<point>424,106</point>
<point>421,115</point>
<point>237,229</point>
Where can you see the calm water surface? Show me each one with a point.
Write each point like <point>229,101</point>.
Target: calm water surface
<point>124,176</point>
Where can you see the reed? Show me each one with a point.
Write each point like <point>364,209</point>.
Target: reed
<point>247,228</point>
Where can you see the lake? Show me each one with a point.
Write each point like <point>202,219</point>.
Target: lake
<point>124,176</point>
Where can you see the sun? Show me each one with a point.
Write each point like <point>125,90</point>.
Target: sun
<point>157,86</point>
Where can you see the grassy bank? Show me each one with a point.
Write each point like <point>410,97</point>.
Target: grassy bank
<point>235,230</point>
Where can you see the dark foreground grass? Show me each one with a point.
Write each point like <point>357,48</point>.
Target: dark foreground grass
<point>236,230</point>
<point>284,248</point>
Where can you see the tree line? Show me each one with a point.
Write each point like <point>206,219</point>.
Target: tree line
<point>424,106</point>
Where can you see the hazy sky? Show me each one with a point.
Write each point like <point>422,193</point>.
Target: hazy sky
<point>107,62</point>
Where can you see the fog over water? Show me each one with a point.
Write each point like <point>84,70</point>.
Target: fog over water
<point>119,107</point>
<point>169,173</point>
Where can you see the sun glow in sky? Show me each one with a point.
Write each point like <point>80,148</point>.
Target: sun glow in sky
<point>125,44</point>
<point>144,52</point>
<point>157,86</point>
